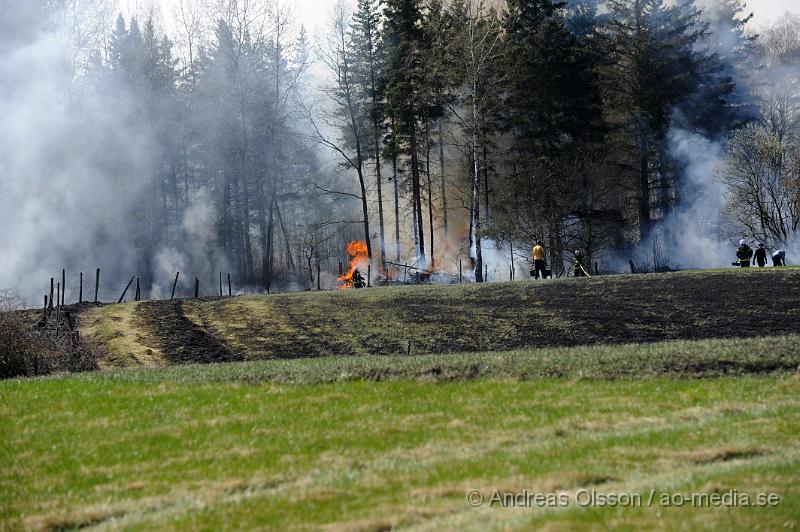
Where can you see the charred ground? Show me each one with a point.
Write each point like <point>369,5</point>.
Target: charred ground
<point>467,318</point>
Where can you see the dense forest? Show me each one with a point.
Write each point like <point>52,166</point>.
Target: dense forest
<point>433,130</point>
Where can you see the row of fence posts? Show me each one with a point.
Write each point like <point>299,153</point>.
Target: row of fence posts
<point>57,299</point>
<point>58,290</point>
<point>57,296</point>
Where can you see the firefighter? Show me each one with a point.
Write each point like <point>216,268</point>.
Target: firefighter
<point>580,264</point>
<point>761,256</point>
<point>779,258</point>
<point>358,279</point>
<point>744,254</point>
<point>539,264</point>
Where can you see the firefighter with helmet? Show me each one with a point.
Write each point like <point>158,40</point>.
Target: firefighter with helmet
<point>744,254</point>
<point>358,279</point>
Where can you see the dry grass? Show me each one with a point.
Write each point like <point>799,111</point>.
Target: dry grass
<point>123,340</point>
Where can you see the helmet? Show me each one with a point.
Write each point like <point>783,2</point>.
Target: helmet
<point>578,253</point>
<point>742,242</point>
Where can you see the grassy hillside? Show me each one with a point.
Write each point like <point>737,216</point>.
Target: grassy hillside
<point>644,385</point>
<point>451,319</point>
<point>144,450</point>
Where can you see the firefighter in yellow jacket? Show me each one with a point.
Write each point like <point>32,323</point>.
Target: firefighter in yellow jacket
<point>539,264</point>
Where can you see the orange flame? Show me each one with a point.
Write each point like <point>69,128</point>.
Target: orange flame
<point>359,257</point>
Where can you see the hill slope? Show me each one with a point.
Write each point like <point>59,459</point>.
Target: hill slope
<point>451,319</point>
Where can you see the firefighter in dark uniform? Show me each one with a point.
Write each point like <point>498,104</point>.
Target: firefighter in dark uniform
<point>761,256</point>
<point>744,254</point>
<point>580,264</point>
<point>358,279</point>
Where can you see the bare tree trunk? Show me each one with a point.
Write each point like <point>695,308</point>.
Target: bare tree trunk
<point>416,194</point>
<point>378,177</point>
<point>644,188</point>
<point>476,209</point>
<point>442,175</point>
<point>396,209</point>
<point>430,199</point>
<point>415,226</point>
<point>262,226</point>
<point>378,181</point>
<point>486,210</point>
<point>238,241</point>
<point>289,254</point>
<point>268,252</point>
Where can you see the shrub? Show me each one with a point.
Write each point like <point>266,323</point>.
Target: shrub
<point>28,349</point>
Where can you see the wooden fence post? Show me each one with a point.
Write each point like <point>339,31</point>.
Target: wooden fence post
<point>63,285</point>
<point>369,275</point>
<point>196,288</point>
<point>230,290</point>
<point>58,295</point>
<point>174,286</point>
<point>80,290</point>
<point>459,271</point>
<point>513,270</point>
<point>126,290</point>
<point>319,283</point>
<point>96,283</point>
<point>220,284</point>
<point>52,291</point>
<point>138,294</point>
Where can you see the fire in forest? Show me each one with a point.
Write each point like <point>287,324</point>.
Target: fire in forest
<point>359,259</point>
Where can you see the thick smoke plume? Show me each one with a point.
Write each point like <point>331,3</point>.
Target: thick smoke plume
<point>75,159</point>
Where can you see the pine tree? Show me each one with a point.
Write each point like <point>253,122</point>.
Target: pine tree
<point>722,101</point>
<point>405,46</point>
<point>651,67</point>
<point>553,112</point>
<point>552,97</point>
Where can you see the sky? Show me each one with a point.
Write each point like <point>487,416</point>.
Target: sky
<point>315,13</point>
<point>767,11</point>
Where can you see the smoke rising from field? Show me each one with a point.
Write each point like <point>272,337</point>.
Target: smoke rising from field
<point>693,235</point>
<point>76,158</point>
<point>61,197</point>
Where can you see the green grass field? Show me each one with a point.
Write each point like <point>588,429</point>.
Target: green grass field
<point>377,442</point>
<point>319,430</point>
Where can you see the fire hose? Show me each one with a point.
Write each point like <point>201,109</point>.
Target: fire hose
<point>581,267</point>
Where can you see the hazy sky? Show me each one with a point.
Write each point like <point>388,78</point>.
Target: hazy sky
<point>314,13</point>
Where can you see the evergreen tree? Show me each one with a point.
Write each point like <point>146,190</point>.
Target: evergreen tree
<point>553,110</point>
<point>405,45</point>
<point>552,95</point>
<point>651,66</point>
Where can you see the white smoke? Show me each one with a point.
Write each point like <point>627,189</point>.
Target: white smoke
<point>62,189</point>
<point>695,230</point>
